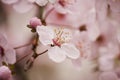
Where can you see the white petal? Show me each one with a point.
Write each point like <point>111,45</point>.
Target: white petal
<point>9,1</point>
<point>41,2</point>
<point>46,35</point>
<point>71,50</point>
<point>56,54</point>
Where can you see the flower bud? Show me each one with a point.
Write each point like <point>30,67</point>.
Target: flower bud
<point>34,22</point>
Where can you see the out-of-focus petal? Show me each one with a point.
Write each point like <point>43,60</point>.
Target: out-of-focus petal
<point>106,63</point>
<point>9,1</point>
<point>108,76</point>
<point>56,54</point>
<point>10,55</point>
<point>23,6</point>
<point>71,50</point>
<point>77,62</point>
<point>41,2</point>
<point>52,1</point>
<point>60,9</point>
<point>3,40</point>
<point>46,35</point>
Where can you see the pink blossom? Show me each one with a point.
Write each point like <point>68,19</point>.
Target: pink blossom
<point>5,73</point>
<point>34,22</point>
<point>7,53</point>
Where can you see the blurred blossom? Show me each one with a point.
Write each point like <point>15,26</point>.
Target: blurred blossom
<point>59,41</point>
<point>78,15</point>
<point>9,1</point>
<point>44,2</point>
<point>83,42</point>
<point>62,6</point>
<point>7,53</point>
<point>20,6</point>
<point>106,63</point>
<point>108,76</point>
<point>5,73</point>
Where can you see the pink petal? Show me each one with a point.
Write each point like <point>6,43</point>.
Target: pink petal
<point>60,9</point>
<point>108,76</point>
<point>3,40</point>
<point>10,55</point>
<point>77,62</point>
<point>23,6</point>
<point>41,2</point>
<point>106,63</point>
<point>9,1</point>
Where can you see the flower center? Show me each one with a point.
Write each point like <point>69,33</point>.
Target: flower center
<point>1,51</point>
<point>61,36</point>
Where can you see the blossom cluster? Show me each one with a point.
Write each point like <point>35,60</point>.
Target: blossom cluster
<point>72,29</point>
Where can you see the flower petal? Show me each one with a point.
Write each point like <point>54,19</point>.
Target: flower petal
<point>9,1</point>
<point>56,54</point>
<point>71,50</point>
<point>60,9</point>
<point>10,55</point>
<point>52,1</point>
<point>23,6</point>
<point>106,63</point>
<point>108,76</point>
<point>3,40</point>
<point>46,35</point>
<point>41,2</point>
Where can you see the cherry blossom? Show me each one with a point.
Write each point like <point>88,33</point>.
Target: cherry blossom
<point>5,73</point>
<point>59,41</point>
<point>7,53</point>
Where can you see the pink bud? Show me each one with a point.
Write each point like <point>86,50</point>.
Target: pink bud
<point>5,73</point>
<point>34,22</point>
